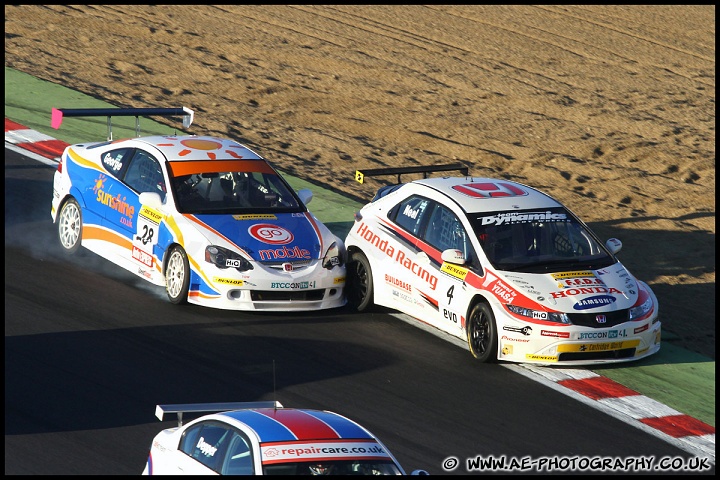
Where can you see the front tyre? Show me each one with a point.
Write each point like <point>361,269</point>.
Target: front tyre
<point>69,226</point>
<point>360,283</point>
<point>177,275</point>
<point>482,333</point>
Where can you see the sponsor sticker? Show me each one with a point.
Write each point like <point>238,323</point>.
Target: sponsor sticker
<point>564,275</point>
<point>151,215</point>
<point>271,234</point>
<point>293,285</point>
<point>255,217</point>
<point>400,256</point>
<point>454,270</point>
<point>398,283</point>
<point>641,329</point>
<point>229,281</point>
<point>511,339</point>
<point>142,257</point>
<point>601,334</point>
<point>548,333</point>
<point>542,358</point>
<point>526,330</point>
<point>277,453</point>
<point>594,302</point>
<point>597,347</point>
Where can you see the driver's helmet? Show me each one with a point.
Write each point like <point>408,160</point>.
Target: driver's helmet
<point>319,469</point>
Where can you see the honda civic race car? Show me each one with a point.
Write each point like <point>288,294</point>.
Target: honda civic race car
<point>264,438</point>
<point>207,218</point>
<point>501,265</point>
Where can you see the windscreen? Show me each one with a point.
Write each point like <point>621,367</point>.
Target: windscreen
<point>335,467</point>
<point>232,192</point>
<point>537,241</point>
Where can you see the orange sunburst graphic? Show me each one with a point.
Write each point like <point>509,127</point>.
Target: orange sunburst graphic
<point>204,145</point>
<point>99,183</point>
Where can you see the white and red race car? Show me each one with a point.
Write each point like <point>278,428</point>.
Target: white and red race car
<point>207,218</point>
<point>501,265</point>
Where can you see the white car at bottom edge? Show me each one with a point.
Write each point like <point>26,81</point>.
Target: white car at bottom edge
<point>501,265</point>
<point>265,438</point>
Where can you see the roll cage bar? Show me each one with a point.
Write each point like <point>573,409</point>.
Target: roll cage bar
<point>57,115</point>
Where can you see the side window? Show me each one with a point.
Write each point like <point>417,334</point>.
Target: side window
<point>409,213</point>
<point>115,160</point>
<point>239,459</point>
<point>207,442</point>
<point>145,175</point>
<point>441,232</point>
<point>444,231</point>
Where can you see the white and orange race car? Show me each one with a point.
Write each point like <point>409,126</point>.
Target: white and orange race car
<point>207,218</point>
<point>501,265</point>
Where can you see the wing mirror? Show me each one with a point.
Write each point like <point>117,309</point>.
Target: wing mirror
<point>151,199</point>
<point>614,245</point>
<point>305,195</point>
<point>453,255</point>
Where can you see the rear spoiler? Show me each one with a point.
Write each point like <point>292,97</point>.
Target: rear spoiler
<point>58,114</point>
<point>360,175</point>
<point>180,408</point>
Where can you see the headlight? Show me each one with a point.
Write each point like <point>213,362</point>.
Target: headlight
<point>540,315</point>
<point>223,258</point>
<point>334,256</point>
<point>641,310</point>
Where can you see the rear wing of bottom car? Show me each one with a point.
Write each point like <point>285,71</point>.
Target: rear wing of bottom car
<point>374,172</point>
<point>180,408</point>
<point>57,115</point>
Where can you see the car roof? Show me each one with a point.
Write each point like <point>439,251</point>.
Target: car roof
<point>481,194</point>
<point>183,148</point>
<point>291,424</point>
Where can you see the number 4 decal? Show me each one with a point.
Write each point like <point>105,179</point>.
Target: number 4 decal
<point>450,293</point>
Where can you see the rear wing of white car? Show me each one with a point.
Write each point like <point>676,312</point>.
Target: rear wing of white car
<point>57,115</point>
<point>374,172</point>
<point>180,408</point>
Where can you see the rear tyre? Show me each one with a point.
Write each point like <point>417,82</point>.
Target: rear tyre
<point>482,333</point>
<point>177,276</point>
<point>69,226</point>
<point>360,283</point>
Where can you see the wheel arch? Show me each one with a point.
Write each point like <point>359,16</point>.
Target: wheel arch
<point>477,299</point>
<point>73,193</point>
<point>166,257</point>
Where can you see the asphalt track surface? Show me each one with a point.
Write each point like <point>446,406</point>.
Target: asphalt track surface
<point>90,350</point>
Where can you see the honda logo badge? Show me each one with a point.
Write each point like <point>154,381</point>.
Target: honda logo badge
<point>600,318</point>
<point>287,267</point>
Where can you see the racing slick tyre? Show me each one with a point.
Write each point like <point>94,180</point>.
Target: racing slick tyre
<point>482,333</point>
<point>360,283</point>
<point>177,275</point>
<point>69,226</point>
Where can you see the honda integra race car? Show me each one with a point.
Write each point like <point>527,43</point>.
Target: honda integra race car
<point>501,265</point>
<point>207,218</point>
